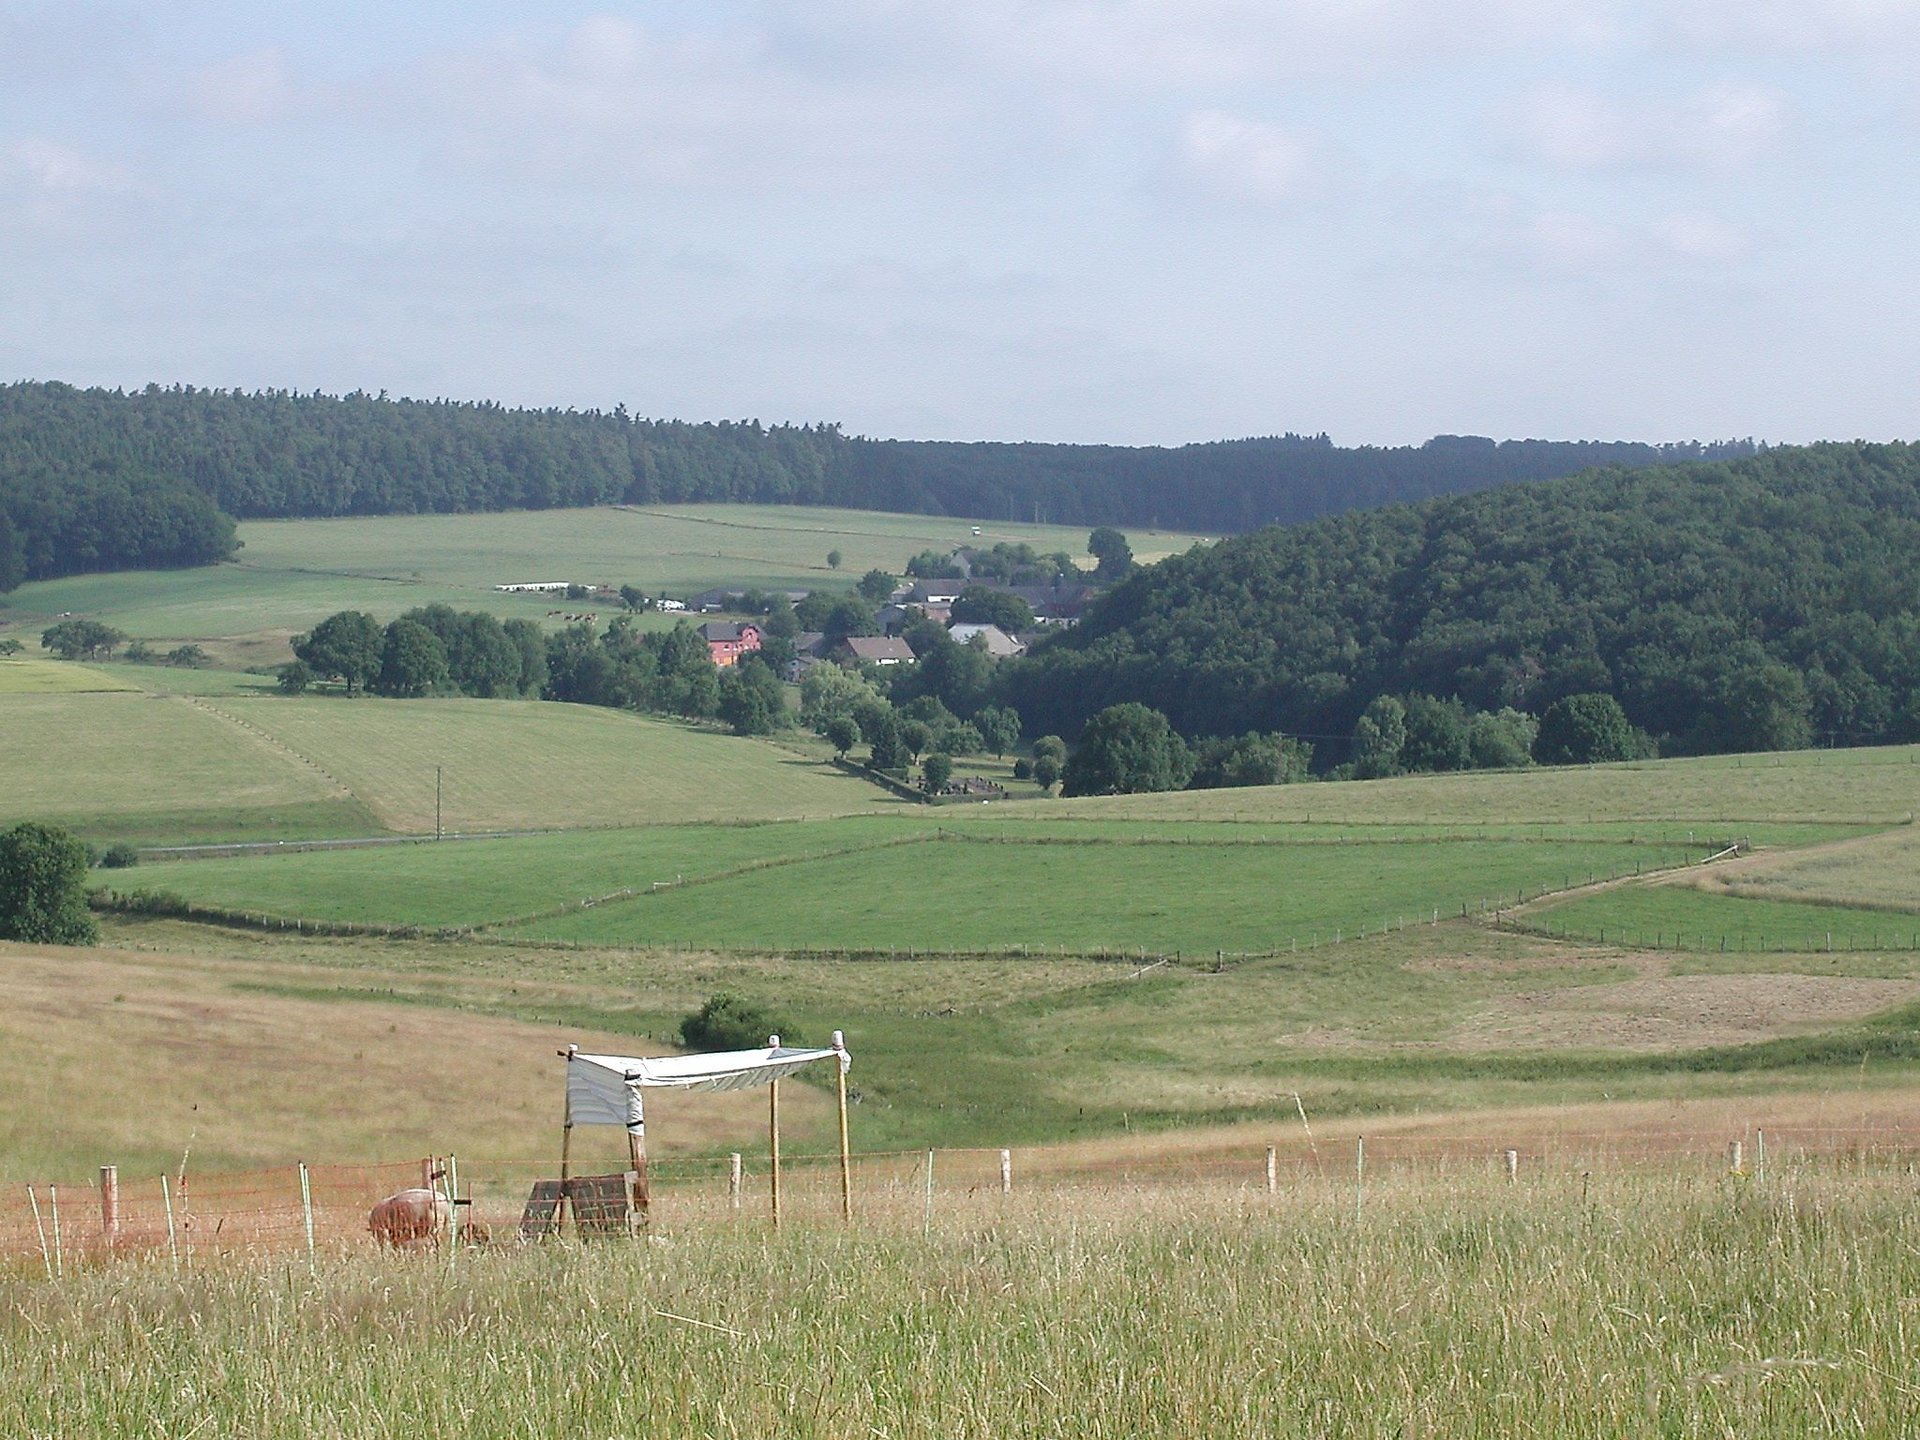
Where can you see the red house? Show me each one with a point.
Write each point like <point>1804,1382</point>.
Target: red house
<point>727,641</point>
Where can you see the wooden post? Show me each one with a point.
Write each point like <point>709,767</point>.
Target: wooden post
<point>46,1256</point>
<point>1006,1172</point>
<point>1759,1154</point>
<point>563,1207</point>
<point>306,1211</point>
<point>733,1180</point>
<point>641,1186</point>
<point>110,1204</point>
<point>1512,1159</point>
<point>773,1138</point>
<point>846,1153</point>
<point>1736,1160</point>
<point>1359,1173</point>
<point>1273,1170</point>
<point>59,1258</point>
<point>453,1207</point>
<point>926,1222</point>
<point>166,1198</point>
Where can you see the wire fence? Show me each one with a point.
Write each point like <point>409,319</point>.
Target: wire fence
<point>325,1208</point>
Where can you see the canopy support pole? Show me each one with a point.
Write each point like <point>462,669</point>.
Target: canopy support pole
<point>773,1137</point>
<point>846,1153</point>
<point>642,1196</point>
<point>563,1208</point>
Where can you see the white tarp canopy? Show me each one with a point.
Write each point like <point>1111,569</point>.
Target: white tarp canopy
<point>605,1089</point>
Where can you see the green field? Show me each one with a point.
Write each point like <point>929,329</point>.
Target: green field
<point>229,763</point>
<point>1099,898</point>
<point>25,675</point>
<point>1718,793</point>
<point>293,573</point>
<point>1682,918</point>
<point>134,766</point>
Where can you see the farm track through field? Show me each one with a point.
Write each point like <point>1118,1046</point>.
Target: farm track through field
<point>272,743</point>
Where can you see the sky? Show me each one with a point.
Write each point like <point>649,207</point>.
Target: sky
<point>1125,221</point>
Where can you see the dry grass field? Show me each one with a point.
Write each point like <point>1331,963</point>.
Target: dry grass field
<point>112,1056</point>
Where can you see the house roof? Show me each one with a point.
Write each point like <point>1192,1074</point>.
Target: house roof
<point>999,643</point>
<point>881,649</point>
<point>726,632</point>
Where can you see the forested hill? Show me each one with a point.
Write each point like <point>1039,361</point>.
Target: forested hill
<point>103,479</point>
<point>1754,604</point>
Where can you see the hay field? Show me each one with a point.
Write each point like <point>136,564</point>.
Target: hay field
<point>1438,1306</point>
<point>111,1056</point>
<point>1878,872</point>
<point>1017,1050</point>
<point>130,765</point>
<point>511,764</point>
<point>207,766</point>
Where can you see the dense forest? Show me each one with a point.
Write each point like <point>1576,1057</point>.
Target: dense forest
<point>1757,604</point>
<point>104,479</point>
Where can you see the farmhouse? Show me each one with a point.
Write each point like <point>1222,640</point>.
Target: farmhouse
<point>877,650</point>
<point>995,641</point>
<point>727,641</point>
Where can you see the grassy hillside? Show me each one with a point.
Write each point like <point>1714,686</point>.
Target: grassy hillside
<point>1879,786</point>
<point>125,765</point>
<point>234,765</point>
<point>223,1060</point>
<point>293,573</point>
<point>511,764</point>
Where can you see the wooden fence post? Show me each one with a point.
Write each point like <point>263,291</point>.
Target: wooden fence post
<point>306,1211</point>
<point>1273,1171</point>
<point>733,1180</point>
<point>1736,1159</point>
<point>1006,1172</point>
<point>1512,1158</point>
<point>110,1204</point>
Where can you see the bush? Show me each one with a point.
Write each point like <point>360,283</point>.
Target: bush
<point>733,1022</point>
<point>119,856</point>
<point>43,886</point>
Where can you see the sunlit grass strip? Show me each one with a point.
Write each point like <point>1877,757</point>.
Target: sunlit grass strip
<point>1457,1306</point>
<point>1678,917</point>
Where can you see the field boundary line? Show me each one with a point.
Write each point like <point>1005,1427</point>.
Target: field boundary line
<point>771,862</point>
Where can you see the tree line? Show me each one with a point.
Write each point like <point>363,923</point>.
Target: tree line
<point>94,479</point>
<point>1763,603</point>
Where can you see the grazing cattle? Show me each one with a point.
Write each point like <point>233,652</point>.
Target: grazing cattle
<point>410,1219</point>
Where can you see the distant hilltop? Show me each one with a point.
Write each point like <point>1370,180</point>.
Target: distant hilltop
<point>94,479</point>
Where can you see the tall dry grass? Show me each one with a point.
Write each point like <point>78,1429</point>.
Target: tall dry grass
<point>1670,1304</point>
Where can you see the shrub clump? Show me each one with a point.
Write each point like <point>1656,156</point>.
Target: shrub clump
<point>733,1022</point>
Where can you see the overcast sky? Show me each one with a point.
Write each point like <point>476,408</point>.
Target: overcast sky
<point>1119,220</point>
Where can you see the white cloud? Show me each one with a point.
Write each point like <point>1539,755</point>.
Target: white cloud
<point>1874,27</point>
<point>52,168</point>
<point>1247,159</point>
<point>1721,126</point>
<point>246,89</point>
<point>1700,236</point>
